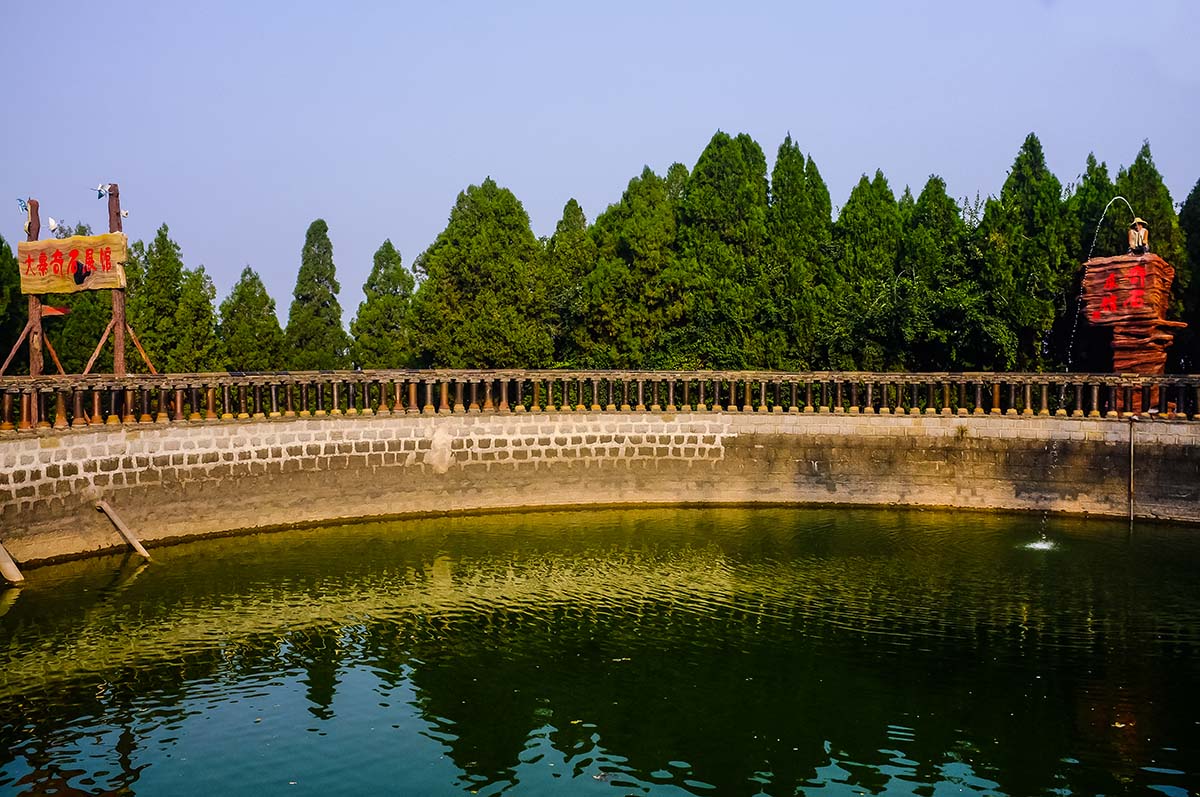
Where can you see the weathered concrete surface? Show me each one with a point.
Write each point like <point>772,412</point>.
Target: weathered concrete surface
<point>183,479</point>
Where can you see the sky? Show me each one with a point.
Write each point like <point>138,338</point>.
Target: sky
<point>238,123</point>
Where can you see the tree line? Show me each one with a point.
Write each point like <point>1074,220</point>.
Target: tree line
<point>721,266</point>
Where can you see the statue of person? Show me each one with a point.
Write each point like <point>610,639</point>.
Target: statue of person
<point>1139,237</point>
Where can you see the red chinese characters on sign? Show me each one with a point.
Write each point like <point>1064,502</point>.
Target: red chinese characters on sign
<point>1133,282</point>
<point>77,263</point>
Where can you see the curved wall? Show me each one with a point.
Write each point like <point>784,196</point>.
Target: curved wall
<point>183,479</point>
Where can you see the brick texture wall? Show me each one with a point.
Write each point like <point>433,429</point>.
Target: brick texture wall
<point>186,479</point>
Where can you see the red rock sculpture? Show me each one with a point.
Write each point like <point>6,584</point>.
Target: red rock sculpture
<point>1131,293</point>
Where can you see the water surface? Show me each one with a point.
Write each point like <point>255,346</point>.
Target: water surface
<point>657,651</point>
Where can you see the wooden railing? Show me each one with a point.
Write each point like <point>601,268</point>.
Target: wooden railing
<point>75,401</point>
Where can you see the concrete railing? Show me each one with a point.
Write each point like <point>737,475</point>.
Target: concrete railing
<point>28,404</point>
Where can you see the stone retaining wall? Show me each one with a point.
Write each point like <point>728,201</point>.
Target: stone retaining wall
<point>184,479</point>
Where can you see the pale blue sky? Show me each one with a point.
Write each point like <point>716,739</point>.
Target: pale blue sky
<point>239,122</point>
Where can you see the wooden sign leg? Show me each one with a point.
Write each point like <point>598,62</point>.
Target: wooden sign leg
<point>118,296</point>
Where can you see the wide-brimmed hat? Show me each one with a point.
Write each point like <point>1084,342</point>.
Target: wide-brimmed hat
<point>1138,220</point>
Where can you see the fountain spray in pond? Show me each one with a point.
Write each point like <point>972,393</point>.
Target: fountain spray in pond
<point>1091,249</point>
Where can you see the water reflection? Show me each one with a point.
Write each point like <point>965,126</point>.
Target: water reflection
<point>651,651</point>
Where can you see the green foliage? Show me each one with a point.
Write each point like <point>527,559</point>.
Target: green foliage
<point>1027,273</point>
<point>484,300</point>
<point>716,284</point>
<point>570,257</point>
<point>1189,225</point>
<point>155,288</point>
<point>315,338</point>
<point>12,305</point>
<point>617,315</point>
<point>942,309</point>
<point>249,330</point>
<point>382,328</point>
<point>797,287</point>
<point>863,330</point>
<point>195,349</point>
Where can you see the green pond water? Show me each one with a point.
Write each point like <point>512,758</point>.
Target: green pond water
<point>655,651</point>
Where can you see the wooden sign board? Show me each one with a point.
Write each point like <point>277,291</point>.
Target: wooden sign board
<point>69,265</point>
<point>1128,288</point>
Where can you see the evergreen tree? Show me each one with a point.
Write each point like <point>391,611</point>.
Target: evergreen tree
<point>13,305</point>
<point>1096,227</point>
<point>155,287</point>
<point>571,256</point>
<point>196,349</point>
<point>483,302</point>
<point>1188,344</point>
<point>942,309</point>
<point>1027,271</point>
<point>618,313</point>
<point>863,327</point>
<point>382,328</point>
<point>315,338</point>
<point>717,280</point>
<point>798,226</point>
<point>251,338</point>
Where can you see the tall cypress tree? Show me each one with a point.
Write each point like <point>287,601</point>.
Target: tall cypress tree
<point>619,311</point>
<point>382,329</point>
<point>1188,345</point>
<point>251,338</point>
<point>718,275</point>
<point>196,349</point>
<point>154,291</point>
<point>315,338</point>
<point>483,302</point>
<point>571,256</point>
<point>12,303</point>
<point>863,325</point>
<point>1027,270</point>
<point>798,228</point>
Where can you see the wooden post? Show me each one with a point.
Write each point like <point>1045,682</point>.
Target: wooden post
<point>118,295</point>
<point>8,568</point>
<point>125,531</point>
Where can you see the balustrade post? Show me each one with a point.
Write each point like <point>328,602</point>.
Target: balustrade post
<point>1045,409</point>
<point>1196,406</point>
<point>304,391</point>
<point>778,406</point>
<point>808,405</point>
<point>641,399</point>
<point>97,412</point>
<point>1027,399</point>
<point>443,407</point>
<point>243,403</point>
<point>962,398</point>
<point>6,424</point>
<point>459,406</point>
<point>931,407</point>
<point>654,405</point>
<point>762,395</point>
<point>114,407</point>
<point>701,404</point>
<point>195,413</point>
<point>792,406</point>
<point>414,405</point>
<point>504,395</point>
<point>60,409</point>
<point>179,414</point>
<point>625,395</point>
<point>26,421</point>
<point>1012,399</point>
<point>319,395</point>
<point>43,421</point>
<point>869,407</point>
<point>595,395</point>
<point>945,409</point>
<point>275,413</point>
<point>536,406</point>
<point>259,414</point>
<point>163,403</point>
<point>210,403</point>
<point>473,406</point>
<point>351,398</point>
<point>732,405</point>
<point>978,399</point>
<point>78,418</point>
<point>1112,403</point>
<point>854,410</point>
<point>885,398</point>
<point>488,406</point>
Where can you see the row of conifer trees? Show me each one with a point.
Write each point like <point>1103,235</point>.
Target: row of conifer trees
<point>720,266</point>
